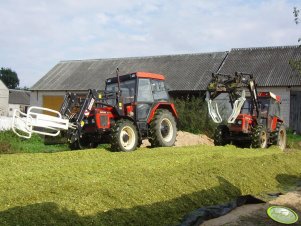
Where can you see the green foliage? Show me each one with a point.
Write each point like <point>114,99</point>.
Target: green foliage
<point>193,116</point>
<point>296,13</point>
<point>9,78</point>
<point>11,143</point>
<point>146,187</point>
<point>293,140</point>
<point>296,65</point>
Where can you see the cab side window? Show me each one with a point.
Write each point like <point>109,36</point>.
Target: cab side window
<point>159,90</point>
<point>144,91</point>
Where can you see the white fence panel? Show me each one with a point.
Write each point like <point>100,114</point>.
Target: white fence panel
<point>5,123</point>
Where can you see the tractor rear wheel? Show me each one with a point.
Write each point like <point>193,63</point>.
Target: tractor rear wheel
<point>163,129</point>
<point>220,135</point>
<point>281,137</point>
<point>259,137</point>
<point>124,136</point>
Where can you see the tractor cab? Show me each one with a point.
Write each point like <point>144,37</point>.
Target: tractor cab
<point>269,107</point>
<point>139,92</point>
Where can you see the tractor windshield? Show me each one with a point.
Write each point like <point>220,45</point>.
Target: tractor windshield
<point>247,107</point>
<point>127,89</point>
<point>263,103</point>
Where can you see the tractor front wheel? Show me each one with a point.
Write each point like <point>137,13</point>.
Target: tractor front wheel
<point>281,137</point>
<point>259,137</point>
<point>163,129</point>
<point>124,136</point>
<point>221,135</point>
<point>82,143</point>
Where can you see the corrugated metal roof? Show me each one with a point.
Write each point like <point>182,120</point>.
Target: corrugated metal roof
<point>182,72</point>
<point>270,65</point>
<point>19,97</point>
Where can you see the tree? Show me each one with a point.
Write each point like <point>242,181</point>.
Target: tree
<point>296,13</point>
<point>296,64</point>
<point>9,78</point>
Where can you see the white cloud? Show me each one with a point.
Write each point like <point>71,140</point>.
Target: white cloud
<point>35,35</point>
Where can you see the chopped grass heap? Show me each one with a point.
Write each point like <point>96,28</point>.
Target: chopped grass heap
<point>11,143</point>
<point>146,187</point>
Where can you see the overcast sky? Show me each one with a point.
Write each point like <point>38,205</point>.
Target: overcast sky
<point>37,34</point>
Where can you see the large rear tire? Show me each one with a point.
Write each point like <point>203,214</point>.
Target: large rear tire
<point>163,129</point>
<point>221,135</point>
<point>259,137</point>
<point>281,137</point>
<point>124,136</point>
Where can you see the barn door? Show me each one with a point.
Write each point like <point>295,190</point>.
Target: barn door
<point>52,102</point>
<point>295,111</point>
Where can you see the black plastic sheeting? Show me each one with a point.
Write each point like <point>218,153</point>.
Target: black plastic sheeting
<point>200,215</point>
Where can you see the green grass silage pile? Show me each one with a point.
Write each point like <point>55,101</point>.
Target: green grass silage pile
<point>146,187</point>
<point>11,143</point>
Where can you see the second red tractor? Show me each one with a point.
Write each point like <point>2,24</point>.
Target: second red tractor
<point>256,118</point>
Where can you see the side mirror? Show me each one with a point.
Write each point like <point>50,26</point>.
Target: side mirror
<point>153,87</point>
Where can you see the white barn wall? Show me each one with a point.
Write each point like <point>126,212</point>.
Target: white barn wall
<point>4,92</point>
<point>12,108</point>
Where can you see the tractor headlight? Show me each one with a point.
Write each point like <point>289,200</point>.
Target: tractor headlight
<point>239,122</point>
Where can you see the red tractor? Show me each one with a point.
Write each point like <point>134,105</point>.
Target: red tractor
<point>132,107</point>
<point>255,118</point>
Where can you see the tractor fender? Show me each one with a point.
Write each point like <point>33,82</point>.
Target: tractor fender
<point>135,123</point>
<point>132,120</point>
<point>128,118</point>
<point>163,105</point>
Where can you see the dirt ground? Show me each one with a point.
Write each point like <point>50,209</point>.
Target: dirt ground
<point>187,139</point>
<point>255,214</point>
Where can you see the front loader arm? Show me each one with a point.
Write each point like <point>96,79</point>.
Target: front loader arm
<point>223,83</point>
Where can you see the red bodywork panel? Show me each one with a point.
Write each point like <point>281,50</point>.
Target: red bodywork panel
<point>245,125</point>
<point>246,122</point>
<point>149,75</point>
<point>163,105</point>
<point>269,94</point>
<point>104,114</point>
<point>102,117</point>
<point>274,123</point>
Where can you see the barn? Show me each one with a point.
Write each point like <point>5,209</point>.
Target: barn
<point>4,92</point>
<point>185,74</point>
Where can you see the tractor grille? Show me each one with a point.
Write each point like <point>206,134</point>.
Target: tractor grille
<point>104,120</point>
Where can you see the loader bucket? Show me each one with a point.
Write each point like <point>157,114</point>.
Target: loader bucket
<point>213,111</point>
<point>237,107</point>
<point>36,121</point>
